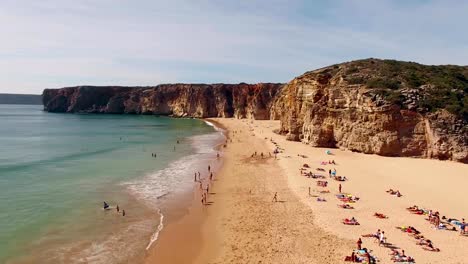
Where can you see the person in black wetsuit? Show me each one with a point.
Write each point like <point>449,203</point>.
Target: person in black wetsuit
<point>106,206</point>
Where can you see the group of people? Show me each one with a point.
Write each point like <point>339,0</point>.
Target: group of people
<point>439,222</point>
<point>361,255</point>
<point>420,239</point>
<point>396,193</point>
<point>117,208</point>
<point>205,191</point>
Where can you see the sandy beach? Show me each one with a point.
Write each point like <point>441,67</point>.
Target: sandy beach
<point>241,223</point>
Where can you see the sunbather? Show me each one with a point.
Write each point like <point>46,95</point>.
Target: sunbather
<point>351,221</point>
<point>345,206</point>
<point>379,215</point>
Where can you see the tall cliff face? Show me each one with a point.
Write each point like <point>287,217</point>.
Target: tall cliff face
<point>191,100</point>
<point>384,107</point>
<point>356,106</point>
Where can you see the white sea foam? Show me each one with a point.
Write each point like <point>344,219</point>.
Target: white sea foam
<point>213,125</point>
<point>177,176</point>
<point>155,236</point>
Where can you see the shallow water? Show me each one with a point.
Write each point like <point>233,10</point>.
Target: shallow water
<point>57,169</point>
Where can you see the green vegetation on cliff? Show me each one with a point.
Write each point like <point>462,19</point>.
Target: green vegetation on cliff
<point>411,85</point>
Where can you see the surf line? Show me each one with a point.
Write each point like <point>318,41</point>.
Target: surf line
<point>155,236</point>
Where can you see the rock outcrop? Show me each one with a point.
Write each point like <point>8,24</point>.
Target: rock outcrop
<point>179,100</point>
<point>327,108</point>
<point>383,107</point>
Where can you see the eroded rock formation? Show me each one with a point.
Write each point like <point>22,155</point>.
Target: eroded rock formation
<point>374,106</point>
<point>325,109</point>
<point>180,100</point>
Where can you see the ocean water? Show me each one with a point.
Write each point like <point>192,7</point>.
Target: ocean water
<point>57,169</point>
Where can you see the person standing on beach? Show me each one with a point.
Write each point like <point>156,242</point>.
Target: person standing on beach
<point>123,212</point>
<point>117,208</point>
<point>382,238</point>
<point>195,178</point>
<point>209,168</point>
<point>211,176</point>
<point>275,198</point>
<point>309,191</point>
<point>329,173</point>
<point>359,243</point>
<point>339,188</point>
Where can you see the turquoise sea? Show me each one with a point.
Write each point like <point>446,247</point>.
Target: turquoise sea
<point>57,169</point>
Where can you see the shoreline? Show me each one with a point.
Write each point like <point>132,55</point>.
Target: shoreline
<point>185,218</point>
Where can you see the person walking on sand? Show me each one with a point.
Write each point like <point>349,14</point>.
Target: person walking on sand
<point>211,176</point>
<point>329,173</point>
<point>117,208</point>
<point>209,168</point>
<point>339,188</point>
<point>275,198</point>
<point>382,238</point>
<point>359,244</point>
<point>309,191</point>
<point>123,212</point>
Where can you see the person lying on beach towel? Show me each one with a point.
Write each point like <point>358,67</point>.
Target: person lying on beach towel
<point>427,248</point>
<point>351,221</point>
<point>322,183</point>
<point>345,206</point>
<point>379,215</point>
<point>325,191</point>
<point>340,178</point>
<point>305,165</point>
<point>392,192</point>
<point>319,199</point>
<point>401,258</point>
<point>417,211</point>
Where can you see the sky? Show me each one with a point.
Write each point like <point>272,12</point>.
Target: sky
<point>58,43</point>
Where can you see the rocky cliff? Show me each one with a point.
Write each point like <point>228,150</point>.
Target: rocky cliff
<point>180,100</point>
<point>383,107</point>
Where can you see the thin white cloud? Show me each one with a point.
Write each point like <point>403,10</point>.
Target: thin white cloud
<point>55,43</point>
